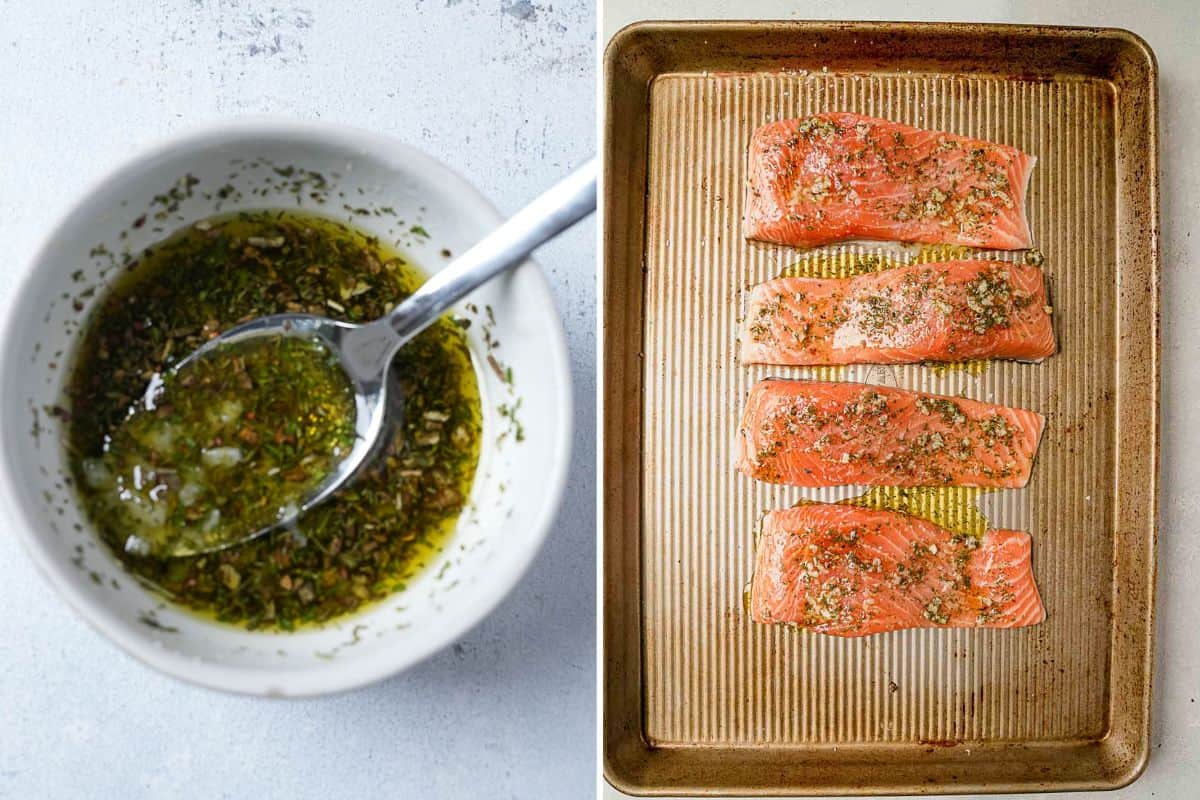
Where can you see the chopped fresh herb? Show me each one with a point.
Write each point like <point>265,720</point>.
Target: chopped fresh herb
<point>509,412</point>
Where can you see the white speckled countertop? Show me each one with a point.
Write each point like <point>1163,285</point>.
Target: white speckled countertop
<point>1170,27</point>
<point>503,90</point>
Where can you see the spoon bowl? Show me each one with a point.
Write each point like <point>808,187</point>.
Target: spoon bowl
<point>372,409</point>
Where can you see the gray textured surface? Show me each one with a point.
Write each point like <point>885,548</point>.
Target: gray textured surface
<point>504,91</point>
<point>1169,27</point>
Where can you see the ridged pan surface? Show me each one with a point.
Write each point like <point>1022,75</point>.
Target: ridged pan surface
<point>716,686</point>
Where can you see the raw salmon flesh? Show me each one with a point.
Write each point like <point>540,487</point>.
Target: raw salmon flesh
<point>946,311</point>
<point>840,176</point>
<point>817,433</point>
<point>850,571</point>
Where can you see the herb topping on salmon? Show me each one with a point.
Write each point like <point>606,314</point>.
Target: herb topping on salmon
<point>839,176</point>
<point>816,433</point>
<point>948,311</point>
<point>849,571</point>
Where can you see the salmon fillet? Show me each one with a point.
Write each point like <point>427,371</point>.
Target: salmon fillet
<point>816,433</point>
<point>832,177</point>
<point>924,312</point>
<point>851,571</point>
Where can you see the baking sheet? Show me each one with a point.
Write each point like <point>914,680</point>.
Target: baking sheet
<point>698,699</point>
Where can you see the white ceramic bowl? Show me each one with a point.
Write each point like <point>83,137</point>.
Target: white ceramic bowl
<point>517,488</point>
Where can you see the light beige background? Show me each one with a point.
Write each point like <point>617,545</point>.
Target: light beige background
<point>1170,28</point>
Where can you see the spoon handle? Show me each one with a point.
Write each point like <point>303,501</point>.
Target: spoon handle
<point>559,208</point>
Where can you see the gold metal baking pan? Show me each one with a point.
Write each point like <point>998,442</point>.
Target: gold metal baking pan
<point>697,698</point>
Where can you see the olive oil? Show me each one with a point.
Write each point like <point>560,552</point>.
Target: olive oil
<point>955,508</point>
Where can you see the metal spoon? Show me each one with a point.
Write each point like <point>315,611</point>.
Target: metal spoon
<point>365,351</point>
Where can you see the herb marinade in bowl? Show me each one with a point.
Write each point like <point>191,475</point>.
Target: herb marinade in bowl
<point>236,222</point>
<point>218,272</point>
